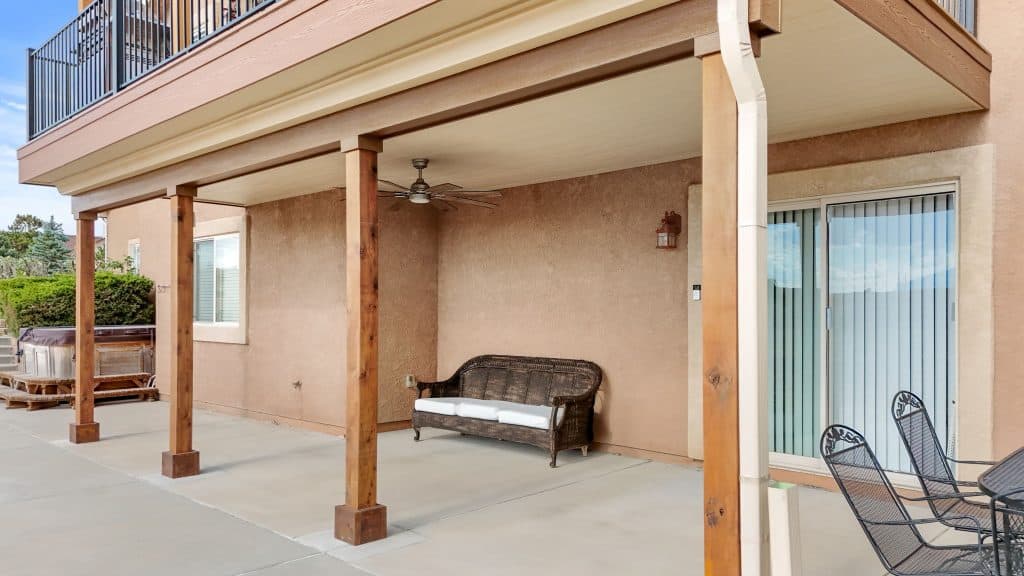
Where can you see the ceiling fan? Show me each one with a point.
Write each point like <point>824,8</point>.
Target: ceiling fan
<point>442,196</point>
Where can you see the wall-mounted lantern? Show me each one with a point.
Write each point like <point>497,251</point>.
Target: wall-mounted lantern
<point>668,232</point>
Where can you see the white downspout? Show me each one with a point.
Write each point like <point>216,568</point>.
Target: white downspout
<point>752,218</point>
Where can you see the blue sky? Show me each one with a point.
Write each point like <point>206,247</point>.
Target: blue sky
<point>24,25</point>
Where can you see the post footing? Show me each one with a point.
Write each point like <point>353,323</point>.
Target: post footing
<point>360,526</point>
<point>84,433</point>
<point>180,465</point>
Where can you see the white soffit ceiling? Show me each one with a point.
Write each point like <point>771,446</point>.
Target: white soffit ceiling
<point>827,72</point>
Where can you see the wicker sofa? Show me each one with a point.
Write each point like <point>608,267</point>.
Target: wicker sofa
<point>544,402</point>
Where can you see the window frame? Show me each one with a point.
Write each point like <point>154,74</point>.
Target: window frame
<point>226,332</point>
<point>135,253</point>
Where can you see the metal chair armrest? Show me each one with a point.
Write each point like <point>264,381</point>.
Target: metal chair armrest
<point>920,521</point>
<point>972,462</point>
<point>959,496</point>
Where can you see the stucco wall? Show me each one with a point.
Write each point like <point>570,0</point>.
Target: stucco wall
<point>296,307</point>
<point>569,269</point>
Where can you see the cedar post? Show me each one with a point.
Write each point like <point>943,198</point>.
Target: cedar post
<point>181,460</point>
<point>720,324</point>
<point>85,428</point>
<point>361,519</point>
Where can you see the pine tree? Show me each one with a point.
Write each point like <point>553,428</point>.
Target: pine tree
<point>50,247</point>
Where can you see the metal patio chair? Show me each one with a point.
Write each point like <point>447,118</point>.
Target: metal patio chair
<point>890,529</point>
<point>942,490</point>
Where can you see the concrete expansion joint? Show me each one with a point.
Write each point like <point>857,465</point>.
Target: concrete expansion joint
<point>549,489</point>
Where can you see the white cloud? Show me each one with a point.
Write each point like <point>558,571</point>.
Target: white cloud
<point>16,198</point>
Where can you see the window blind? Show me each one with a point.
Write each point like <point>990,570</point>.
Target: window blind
<point>204,281</point>
<point>228,296</point>
<point>794,324</point>
<point>892,285</point>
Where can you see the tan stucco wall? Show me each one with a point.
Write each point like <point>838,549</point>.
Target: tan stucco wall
<point>569,269</point>
<point>296,307</point>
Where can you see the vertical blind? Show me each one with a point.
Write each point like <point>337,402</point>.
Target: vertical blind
<point>891,289</point>
<point>217,279</point>
<point>794,324</point>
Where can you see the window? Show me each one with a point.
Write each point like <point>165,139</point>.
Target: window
<point>135,253</point>
<point>217,277</point>
<point>219,281</point>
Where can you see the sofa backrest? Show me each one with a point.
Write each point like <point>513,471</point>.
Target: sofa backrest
<point>526,380</point>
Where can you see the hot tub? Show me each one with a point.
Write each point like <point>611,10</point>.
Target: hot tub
<point>50,352</point>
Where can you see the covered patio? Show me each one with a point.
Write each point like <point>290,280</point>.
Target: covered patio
<point>262,506</point>
<point>600,130</point>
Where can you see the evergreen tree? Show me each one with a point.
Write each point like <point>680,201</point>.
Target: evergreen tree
<point>26,223</point>
<point>50,246</point>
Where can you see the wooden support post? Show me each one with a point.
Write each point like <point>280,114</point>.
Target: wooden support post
<point>181,460</point>
<point>361,519</point>
<point>720,325</point>
<point>85,428</point>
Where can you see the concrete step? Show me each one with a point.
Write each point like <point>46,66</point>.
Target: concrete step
<point>6,341</point>
<point>8,367</point>
<point>6,349</point>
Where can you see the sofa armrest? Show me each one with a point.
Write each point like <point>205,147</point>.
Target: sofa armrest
<point>569,399</point>
<point>444,388</point>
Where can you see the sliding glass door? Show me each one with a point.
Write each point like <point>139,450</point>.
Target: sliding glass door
<point>887,323</point>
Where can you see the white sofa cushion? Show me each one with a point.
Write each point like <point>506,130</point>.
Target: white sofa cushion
<point>445,406</point>
<point>528,415</point>
<point>480,409</point>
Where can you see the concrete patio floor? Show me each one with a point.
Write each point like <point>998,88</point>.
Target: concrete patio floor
<point>264,506</point>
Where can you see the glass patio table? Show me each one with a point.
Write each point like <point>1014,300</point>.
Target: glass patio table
<point>1004,482</point>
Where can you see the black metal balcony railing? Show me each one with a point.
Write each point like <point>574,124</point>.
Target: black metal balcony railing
<point>963,11</point>
<point>113,43</point>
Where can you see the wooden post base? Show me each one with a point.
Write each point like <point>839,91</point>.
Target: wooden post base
<point>360,526</point>
<point>180,465</point>
<point>84,433</point>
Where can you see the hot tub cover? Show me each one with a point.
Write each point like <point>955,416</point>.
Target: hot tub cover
<point>65,335</point>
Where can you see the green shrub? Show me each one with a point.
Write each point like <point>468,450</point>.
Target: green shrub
<point>121,299</point>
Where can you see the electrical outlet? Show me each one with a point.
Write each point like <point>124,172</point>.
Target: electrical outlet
<point>410,381</point>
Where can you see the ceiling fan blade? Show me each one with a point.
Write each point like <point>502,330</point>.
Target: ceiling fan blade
<point>386,194</point>
<point>469,201</point>
<point>391,184</point>
<point>471,193</point>
<point>443,205</point>
<point>444,188</point>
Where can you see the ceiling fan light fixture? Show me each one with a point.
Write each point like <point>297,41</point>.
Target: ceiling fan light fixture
<point>419,198</point>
